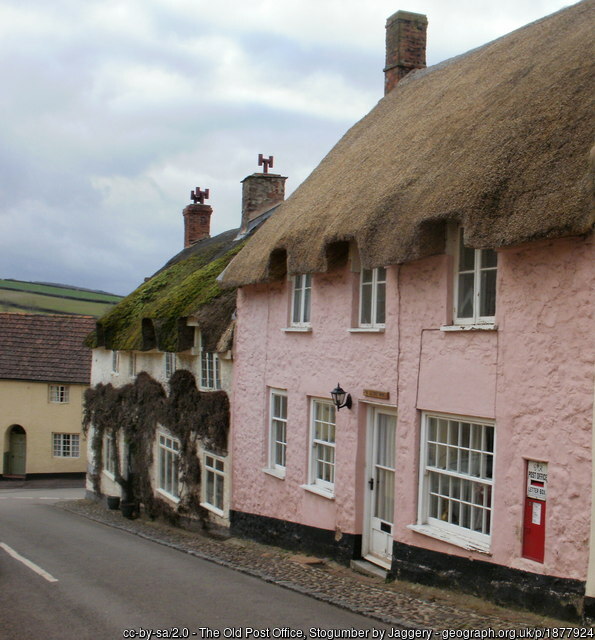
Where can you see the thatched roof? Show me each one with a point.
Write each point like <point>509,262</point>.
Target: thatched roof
<point>154,316</point>
<point>497,139</point>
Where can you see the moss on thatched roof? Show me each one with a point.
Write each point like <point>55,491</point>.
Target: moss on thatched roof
<point>155,314</point>
<point>497,139</point>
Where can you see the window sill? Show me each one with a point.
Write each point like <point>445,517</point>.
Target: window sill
<point>469,327</point>
<point>169,496</point>
<point>297,329</point>
<point>276,473</point>
<point>210,507</point>
<point>450,538</point>
<point>323,493</point>
<point>366,330</point>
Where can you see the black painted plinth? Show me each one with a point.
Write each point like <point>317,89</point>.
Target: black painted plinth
<point>556,597</point>
<point>297,537</point>
<point>589,613</point>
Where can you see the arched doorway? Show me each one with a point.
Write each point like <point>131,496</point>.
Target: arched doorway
<point>17,451</point>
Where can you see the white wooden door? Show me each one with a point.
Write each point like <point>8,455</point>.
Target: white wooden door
<point>380,489</point>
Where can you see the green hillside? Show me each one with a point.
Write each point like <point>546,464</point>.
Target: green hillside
<point>41,297</point>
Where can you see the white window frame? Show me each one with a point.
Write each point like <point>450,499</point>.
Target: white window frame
<point>170,364</point>
<point>210,370</point>
<point>213,484</point>
<point>377,284</point>
<point>277,462</point>
<point>59,393</point>
<point>478,272</point>
<point>66,445</point>
<point>168,467</point>
<point>322,450</point>
<point>115,362</point>
<point>452,492</point>
<point>132,364</point>
<point>109,442</point>
<point>301,300</point>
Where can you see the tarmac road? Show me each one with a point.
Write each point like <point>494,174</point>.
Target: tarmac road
<point>88,580</point>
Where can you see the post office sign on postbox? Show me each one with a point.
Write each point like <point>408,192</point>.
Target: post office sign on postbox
<point>537,480</point>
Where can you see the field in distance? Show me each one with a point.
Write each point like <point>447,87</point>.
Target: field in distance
<point>41,297</point>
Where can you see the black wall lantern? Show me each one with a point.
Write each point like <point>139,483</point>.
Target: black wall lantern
<point>340,397</point>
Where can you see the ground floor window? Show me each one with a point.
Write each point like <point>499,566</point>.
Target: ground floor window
<point>278,430</point>
<point>169,460</point>
<point>66,445</point>
<point>214,482</point>
<point>322,463</point>
<point>109,446</point>
<point>457,476</point>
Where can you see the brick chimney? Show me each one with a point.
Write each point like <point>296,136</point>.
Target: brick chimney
<point>260,192</point>
<point>197,223</point>
<point>405,46</point>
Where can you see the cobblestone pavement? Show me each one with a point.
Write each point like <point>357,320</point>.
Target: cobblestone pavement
<point>400,604</point>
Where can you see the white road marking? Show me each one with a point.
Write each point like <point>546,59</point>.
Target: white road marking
<point>28,563</point>
<point>33,498</point>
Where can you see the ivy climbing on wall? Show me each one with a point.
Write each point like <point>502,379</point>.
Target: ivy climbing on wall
<point>131,414</point>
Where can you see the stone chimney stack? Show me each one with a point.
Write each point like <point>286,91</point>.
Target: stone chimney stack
<point>197,223</point>
<point>260,192</point>
<point>405,46</point>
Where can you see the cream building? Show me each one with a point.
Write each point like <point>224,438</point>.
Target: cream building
<point>158,410</point>
<point>44,371</point>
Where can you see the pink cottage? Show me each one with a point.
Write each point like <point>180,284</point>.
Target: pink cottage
<point>438,265</point>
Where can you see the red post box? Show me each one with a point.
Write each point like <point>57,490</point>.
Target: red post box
<point>535,508</point>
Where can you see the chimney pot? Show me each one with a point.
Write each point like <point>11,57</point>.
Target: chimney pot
<point>197,223</point>
<point>260,192</point>
<point>405,46</point>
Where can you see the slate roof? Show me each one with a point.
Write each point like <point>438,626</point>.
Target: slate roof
<point>497,139</point>
<point>45,348</point>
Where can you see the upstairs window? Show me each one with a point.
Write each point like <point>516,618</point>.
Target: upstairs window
<point>59,393</point>
<point>170,364</point>
<point>372,297</point>
<point>210,374</point>
<point>475,284</point>
<point>210,369</point>
<point>132,364</point>
<point>115,362</point>
<point>300,308</point>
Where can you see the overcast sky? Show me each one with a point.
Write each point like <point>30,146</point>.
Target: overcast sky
<point>111,111</point>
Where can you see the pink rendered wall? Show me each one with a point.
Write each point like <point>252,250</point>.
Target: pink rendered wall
<point>534,376</point>
<point>545,396</point>
<point>307,365</point>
